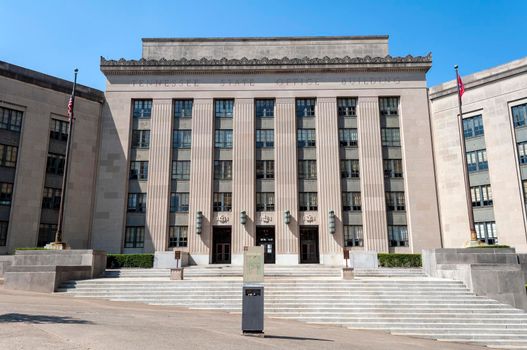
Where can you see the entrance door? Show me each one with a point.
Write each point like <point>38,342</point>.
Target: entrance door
<point>309,245</point>
<point>221,242</point>
<point>265,237</point>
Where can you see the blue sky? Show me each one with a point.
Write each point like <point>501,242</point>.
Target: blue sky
<point>54,37</point>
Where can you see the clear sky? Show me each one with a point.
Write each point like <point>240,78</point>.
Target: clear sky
<point>55,36</point>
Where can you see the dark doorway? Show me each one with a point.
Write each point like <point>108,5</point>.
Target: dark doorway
<point>309,245</point>
<point>265,237</point>
<point>221,242</point>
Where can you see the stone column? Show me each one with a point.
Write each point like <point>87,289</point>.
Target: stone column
<point>201,172</point>
<point>158,186</point>
<point>328,178</point>
<point>286,187</point>
<point>372,175</point>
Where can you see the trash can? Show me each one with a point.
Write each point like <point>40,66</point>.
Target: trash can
<point>253,309</point>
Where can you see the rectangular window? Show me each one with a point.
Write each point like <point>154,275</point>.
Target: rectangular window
<point>264,201</point>
<point>473,126</point>
<point>55,164</point>
<point>178,202</point>
<point>265,169</point>
<point>305,107</point>
<point>8,156</point>
<point>134,237</point>
<point>142,108</point>
<point>519,115</point>
<point>223,139</point>
<point>183,108</point>
<point>393,168</point>
<point>389,106</point>
<point>347,107</point>
<point>351,201</point>
<point>308,201</point>
<point>223,108</point>
<point>477,160</point>
<point>182,138</point>
<point>525,191</point>
<point>59,130</point>
<point>3,233</point>
<point>264,108</point>
<point>264,138</point>
<point>181,170</point>
<point>390,137</point>
<point>395,201</point>
<point>177,236</point>
<point>51,198</point>
<point>140,138</point>
<point>349,168</point>
<point>223,170</point>
<point>6,193</point>
<point>222,201</point>
<point>348,137</point>
<point>398,236</point>
<point>136,202</point>
<point>306,138</point>
<point>522,152</point>
<point>138,170</point>
<point>46,234</point>
<point>486,232</point>
<point>10,119</point>
<point>353,236</point>
<point>481,196</point>
<point>307,169</point>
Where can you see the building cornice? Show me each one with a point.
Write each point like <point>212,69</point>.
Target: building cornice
<point>259,65</point>
<point>260,39</point>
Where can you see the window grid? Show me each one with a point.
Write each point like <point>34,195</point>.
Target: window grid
<point>265,169</point>
<point>481,196</point>
<point>223,169</point>
<point>179,202</point>
<point>51,198</point>
<point>181,170</point>
<point>305,107</point>
<point>306,138</point>
<point>136,202</point>
<point>486,232</point>
<point>139,170</point>
<point>223,139</point>
<point>398,235</point>
<point>134,237</point>
<point>222,201</point>
<point>395,201</point>
<point>348,137</point>
<point>308,201</point>
<point>59,130</point>
<point>142,108</point>
<point>223,108</point>
<point>3,233</point>
<point>473,126</point>
<point>182,139</point>
<point>349,168</point>
<point>140,138</point>
<point>264,108</point>
<point>390,137</point>
<point>519,115</point>
<point>10,119</point>
<point>265,201</point>
<point>6,193</point>
<point>393,168</point>
<point>522,152</point>
<point>389,106</point>
<point>8,155</point>
<point>353,236</point>
<point>264,138</point>
<point>307,169</point>
<point>347,107</point>
<point>55,164</point>
<point>46,234</point>
<point>177,236</point>
<point>477,160</point>
<point>351,201</point>
<point>183,108</point>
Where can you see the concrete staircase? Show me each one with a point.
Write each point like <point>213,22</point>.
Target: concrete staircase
<point>399,301</point>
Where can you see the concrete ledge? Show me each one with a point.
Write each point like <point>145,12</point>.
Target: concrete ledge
<point>166,260</point>
<point>45,279</point>
<point>5,262</point>
<point>363,260</point>
<point>522,259</point>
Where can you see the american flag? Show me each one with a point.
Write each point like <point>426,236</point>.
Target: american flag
<point>70,107</point>
<point>460,85</point>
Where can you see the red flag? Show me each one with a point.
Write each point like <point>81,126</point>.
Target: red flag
<point>460,85</point>
<point>70,107</point>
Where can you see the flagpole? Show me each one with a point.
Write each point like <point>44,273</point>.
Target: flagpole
<point>473,236</point>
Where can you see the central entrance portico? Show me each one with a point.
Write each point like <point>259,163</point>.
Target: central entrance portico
<point>221,242</point>
<point>309,253</point>
<point>266,236</point>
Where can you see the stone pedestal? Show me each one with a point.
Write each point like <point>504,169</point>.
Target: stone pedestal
<point>363,260</point>
<point>347,273</point>
<point>176,274</point>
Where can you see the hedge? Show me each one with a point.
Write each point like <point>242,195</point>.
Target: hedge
<point>116,261</point>
<point>34,248</point>
<point>399,260</point>
<point>491,246</point>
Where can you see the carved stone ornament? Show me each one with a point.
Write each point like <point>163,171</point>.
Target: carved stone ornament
<point>309,218</point>
<point>266,219</point>
<point>223,218</point>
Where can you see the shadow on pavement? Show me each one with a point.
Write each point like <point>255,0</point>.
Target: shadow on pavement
<point>37,319</point>
<point>294,338</point>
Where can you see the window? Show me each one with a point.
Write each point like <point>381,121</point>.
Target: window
<point>222,201</point>
<point>390,137</point>
<point>389,106</point>
<point>182,138</point>
<point>393,168</point>
<point>525,191</point>
<point>522,152</point>
<point>8,156</point>
<point>59,130</point>
<point>395,201</point>
<point>519,115</point>
<point>6,193</point>
<point>307,169</point>
<point>51,198</point>
<point>136,202</point>
<point>183,108</point>
<point>138,170</point>
<point>306,138</point>
<point>398,236</point>
<point>481,196</point>
<point>308,201</point>
<point>55,164</point>
<point>140,138</point>
<point>347,107</point>
<point>3,233</point>
<point>348,137</point>
<point>305,107</point>
<point>486,232</point>
<point>46,234</point>
<point>10,119</point>
<point>349,168</point>
<point>477,160</point>
<point>223,169</point>
<point>265,169</point>
<point>223,139</point>
<point>264,138</point>
<point>265,201</point>
<point>177,236</point>
<point>264,108</point>
<point>181,170</point>
<point>223,108</point>
<point>351,201</point>
<point>178,202</point>
<point>353,236</point>
<point>134,237</point>
<point>473,126</point>
<point>142,108</point>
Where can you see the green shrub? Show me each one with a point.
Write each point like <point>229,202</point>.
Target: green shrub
<point>399,260</point>
<point>116,261</point>
<point>34,248</point>
<point>492,246</point>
